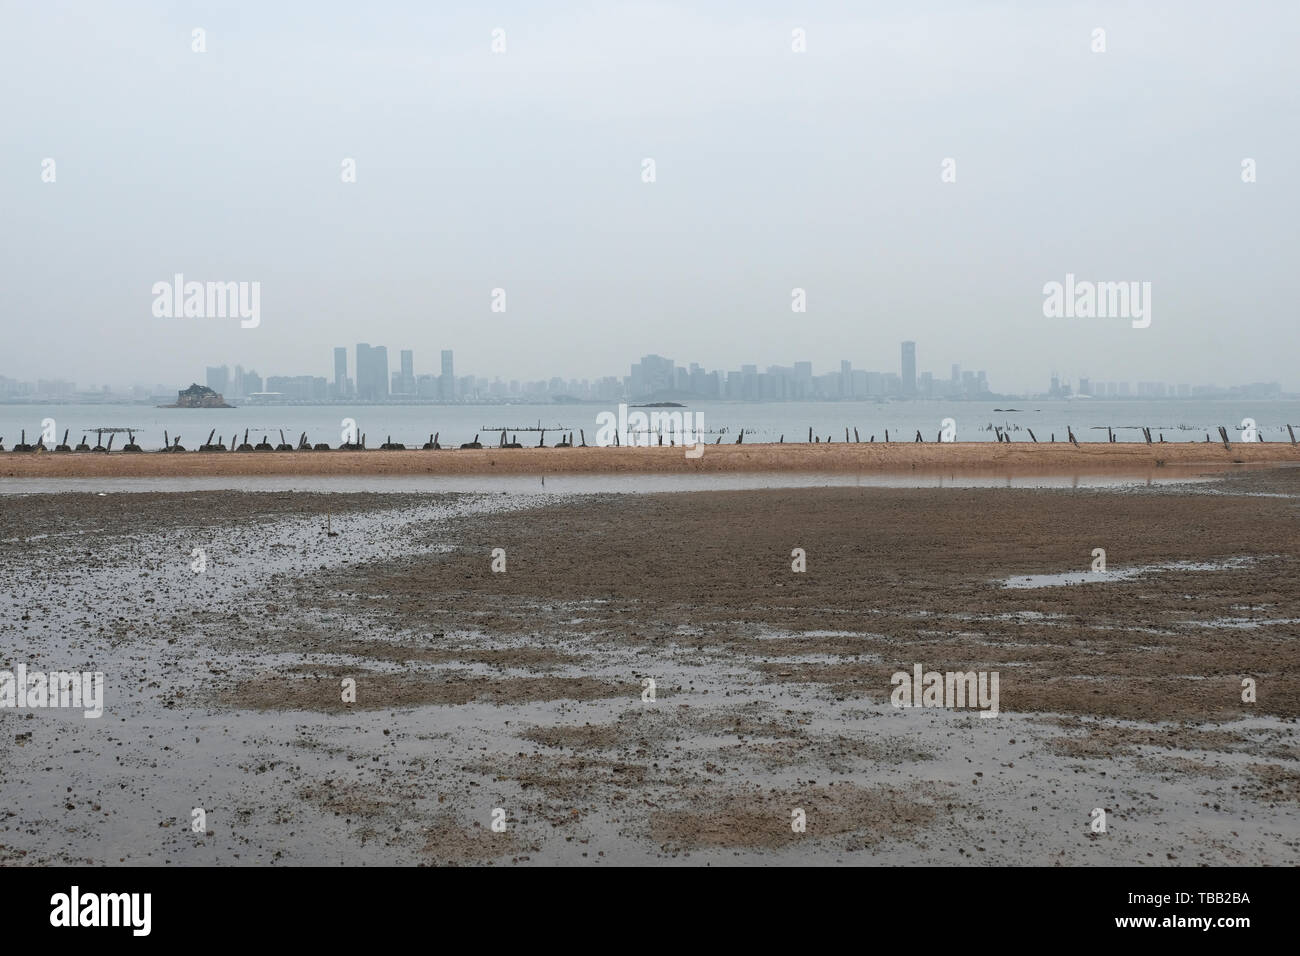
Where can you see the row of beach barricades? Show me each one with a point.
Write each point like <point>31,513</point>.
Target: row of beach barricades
<point>566,441</point>
<point>173,445</point>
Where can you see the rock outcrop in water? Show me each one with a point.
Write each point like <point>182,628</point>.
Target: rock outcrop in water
<point>198,396</point>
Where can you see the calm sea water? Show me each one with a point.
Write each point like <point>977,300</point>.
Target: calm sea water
<point>1178,421</point>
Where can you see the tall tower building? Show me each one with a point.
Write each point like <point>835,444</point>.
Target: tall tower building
<point>379,370</point>
<point>447,381</point>
<point>408,372</point>
<point>365,390</point>
<point>372,372</point>
<point>340,373</point>
<point>909,369</point>
<point>219,378</point>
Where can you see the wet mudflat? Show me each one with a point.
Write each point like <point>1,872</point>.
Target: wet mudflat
<point>524,690</point>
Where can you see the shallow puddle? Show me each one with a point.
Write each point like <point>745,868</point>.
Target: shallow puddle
<point>1110,576</point>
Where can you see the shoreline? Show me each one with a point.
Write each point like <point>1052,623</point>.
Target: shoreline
<point>866,457</point>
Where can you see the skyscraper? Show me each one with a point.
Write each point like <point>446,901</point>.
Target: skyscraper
<point>803,380</point>
<point>218,378</point>
<point>909,369</point>
<point>407,378</point>
<point>379,369</point>
<point>372,372</point>
<point>365,390</point>
<point>340,373</point>
<point>447,383</point>
<point>652,374</point>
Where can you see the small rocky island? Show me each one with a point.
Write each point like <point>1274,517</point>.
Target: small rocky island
<point>198,396</point>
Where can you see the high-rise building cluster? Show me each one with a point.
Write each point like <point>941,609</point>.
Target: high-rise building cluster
<point>241,384</point>
<point>372,380</point>
<point>375,382</point>
<point>656,376</point>
<point>1144,391</point>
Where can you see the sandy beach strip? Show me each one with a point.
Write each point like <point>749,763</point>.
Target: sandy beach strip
<point>866,457</point>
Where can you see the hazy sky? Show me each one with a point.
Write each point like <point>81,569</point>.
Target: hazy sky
<point>522,170</point>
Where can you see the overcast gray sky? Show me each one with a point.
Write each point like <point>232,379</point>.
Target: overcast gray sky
<point>774,169</point>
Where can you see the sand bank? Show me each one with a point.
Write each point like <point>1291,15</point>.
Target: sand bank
<point>957,457</point>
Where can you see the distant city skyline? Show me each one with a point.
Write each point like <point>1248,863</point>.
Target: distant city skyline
<point>407,382</point>
<point>652,377</point>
